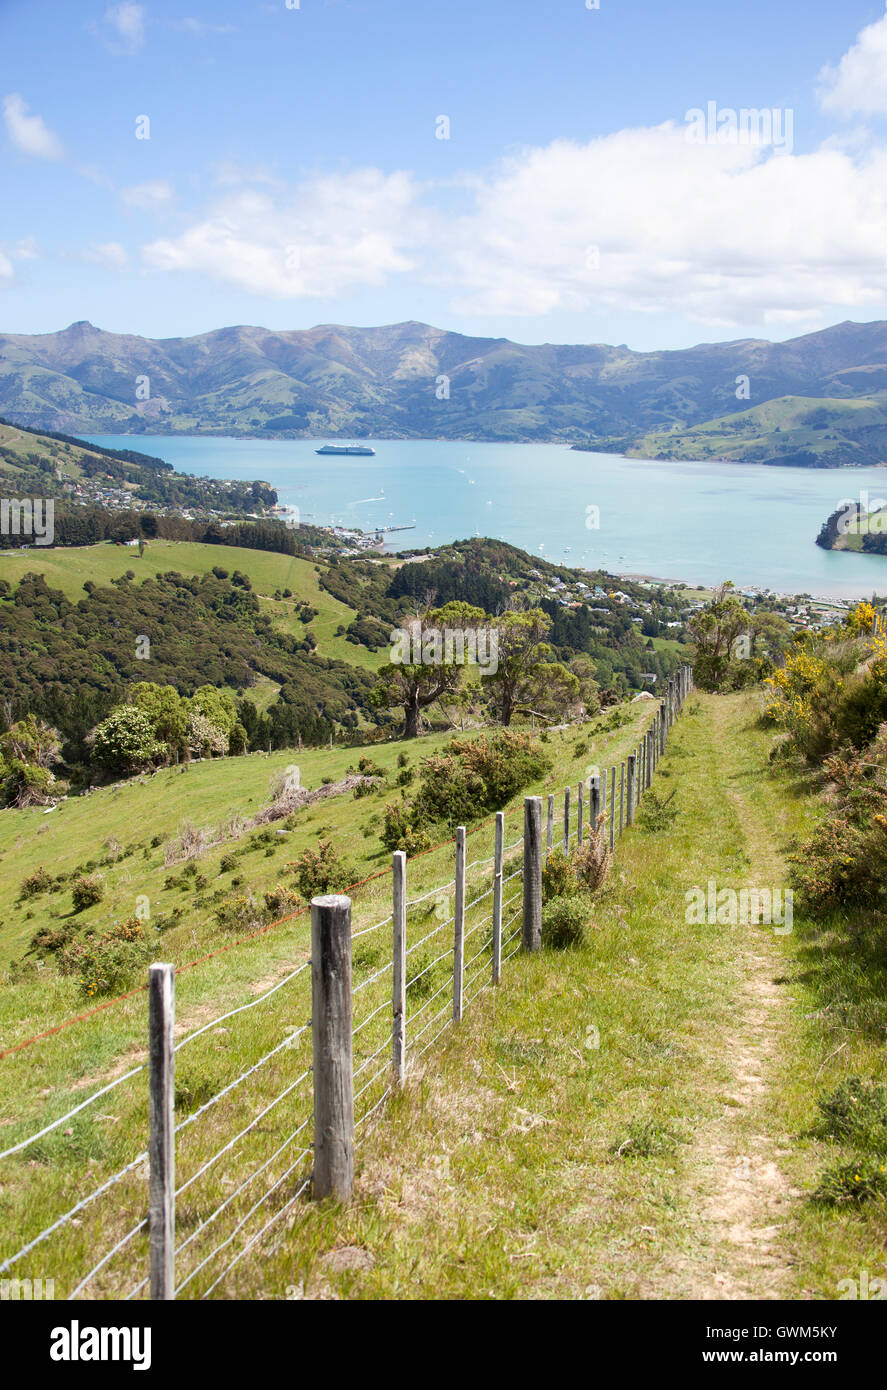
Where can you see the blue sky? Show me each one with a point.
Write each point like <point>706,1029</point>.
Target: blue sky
<point>293,173</point>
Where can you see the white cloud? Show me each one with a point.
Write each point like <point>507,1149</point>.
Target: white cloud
<point>30,134</point>
<point>23,250</point>
<point>123,28</point>
<point>332,234</point>
<point>109,254</point>
<point>859,82</point>
<point>148,196</point>
<point>643,221</point>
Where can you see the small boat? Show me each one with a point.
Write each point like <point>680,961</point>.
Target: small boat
<point>363,450</point>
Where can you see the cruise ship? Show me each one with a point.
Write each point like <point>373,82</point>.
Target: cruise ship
<point>363,450</point>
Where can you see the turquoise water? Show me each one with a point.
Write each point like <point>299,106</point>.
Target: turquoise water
<point>701,522</point>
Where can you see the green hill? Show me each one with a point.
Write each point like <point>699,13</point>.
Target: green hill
<point>797,431</point>
<point>74,472</point>
<point>335,380</point>
<point>69,568</point>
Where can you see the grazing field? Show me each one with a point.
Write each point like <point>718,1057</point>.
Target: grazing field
<point>42,1080</point>
<point>68,569</point>
<point>636,1118</point>
<point>633,1118</point>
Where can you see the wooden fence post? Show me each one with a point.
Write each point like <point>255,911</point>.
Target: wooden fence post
<point>594,802</point>
<point>566,820</point>
<point>549,835</point>
<point>497,896</point>
<point>629,809</point>
<point>332,1044</point>
<point>612,807</point>
<point>621,798</point>
<point>580,812</point>
<point>161,1144</point>
<point>459,925</point>
<point>399,966</point>
<point>604,803</point>
<point>532,917</point>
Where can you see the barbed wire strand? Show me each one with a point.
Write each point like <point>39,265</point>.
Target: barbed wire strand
<point>252,1124</point>
<point>105,1258</point>
<point>84,1202</point>
<point>276,1217</point>
<point>226,1090</point>
<point>414,902</point>
<point>416,944</point>
<point>24,1143</point>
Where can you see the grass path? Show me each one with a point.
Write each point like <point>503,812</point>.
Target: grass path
<point>735,1180</point>
<point>629,1120</point>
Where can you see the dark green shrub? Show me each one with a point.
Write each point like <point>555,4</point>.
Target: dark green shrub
<point>36,882</point>
<point>846,1184</point>
<point>322,871</point>
<point>564,921</point>
<point>855,1112</point>
<point>239,913</point>
<point>558,879</point>
<point>87,891</point>
<point>399,829</point>
<point>107,964</point>
<point>281,900</point>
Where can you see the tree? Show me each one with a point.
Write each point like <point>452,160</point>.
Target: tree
<point>416,684</point>
<point>585,671</point>
<point>125,741</point>
<point>218,706</point>
<point>524,664</point>
<point>27,752</point>
<point>715,630</point>
<point>735,648</point>
<point>204,737</point>
<point>167,711</point>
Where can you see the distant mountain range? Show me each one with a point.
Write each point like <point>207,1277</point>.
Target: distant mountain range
<point>819,400</point>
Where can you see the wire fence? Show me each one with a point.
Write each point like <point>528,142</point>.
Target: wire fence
<point>250,1111</point>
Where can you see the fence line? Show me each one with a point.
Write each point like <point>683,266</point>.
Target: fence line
<point>343,1048</point>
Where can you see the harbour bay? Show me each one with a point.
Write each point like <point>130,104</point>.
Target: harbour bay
<point>698,522</point>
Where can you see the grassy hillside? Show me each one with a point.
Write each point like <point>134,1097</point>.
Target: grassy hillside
<point>72,470</point>
<point>798,430</point>
<point>677,1158</point>
<point>635,1118</point>
<point>68,568</point>
<point>338,380</point>
<point>40,1080</point>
